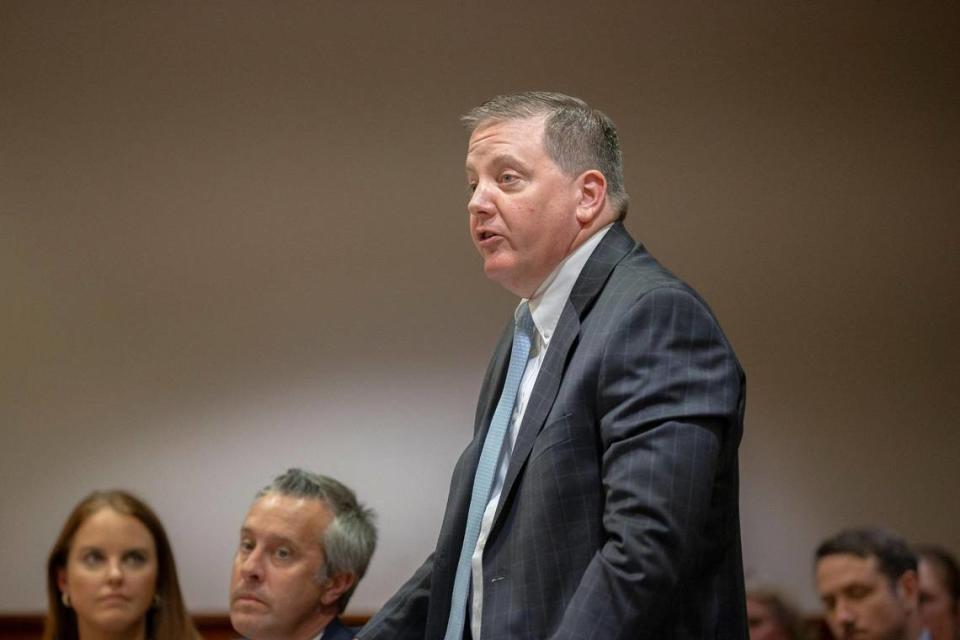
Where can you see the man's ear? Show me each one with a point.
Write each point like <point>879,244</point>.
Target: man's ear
<point>592,196</point>
<point>908,588</point>
<point>337,585</point>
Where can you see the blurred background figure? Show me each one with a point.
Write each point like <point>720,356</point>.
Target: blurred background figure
<point>939,592</point>
<point>867,581</point>
<point>111,574</point>
<point>770,617</point>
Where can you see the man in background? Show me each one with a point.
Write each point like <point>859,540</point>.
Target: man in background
<point>939,592</point>
<point>867,581</point>
<point>304,545</point>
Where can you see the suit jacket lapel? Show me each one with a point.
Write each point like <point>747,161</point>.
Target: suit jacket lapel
<point>611,250</point>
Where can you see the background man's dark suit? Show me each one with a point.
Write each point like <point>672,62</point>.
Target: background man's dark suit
<point>337,631</point>
<point>619,514</point>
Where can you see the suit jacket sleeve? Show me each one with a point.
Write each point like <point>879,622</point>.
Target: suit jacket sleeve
<point>668,404</point>
<point>404,616</point>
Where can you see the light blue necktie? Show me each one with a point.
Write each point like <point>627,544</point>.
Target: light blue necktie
<point>487,467</point>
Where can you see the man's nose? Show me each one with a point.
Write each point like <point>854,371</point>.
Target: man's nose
<point>846,615</point>
<point>479,204</point>
<point>251,566</point>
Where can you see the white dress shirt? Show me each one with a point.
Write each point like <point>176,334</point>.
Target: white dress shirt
<point>546,305</point>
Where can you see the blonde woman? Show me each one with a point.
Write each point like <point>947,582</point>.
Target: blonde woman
<point>111,574</point>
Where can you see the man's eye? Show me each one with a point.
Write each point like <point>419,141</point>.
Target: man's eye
<point>507,178</point>
<point>472,186</point>
<point>858,593</point>
<point>283,553</point>
<point>246,544</point>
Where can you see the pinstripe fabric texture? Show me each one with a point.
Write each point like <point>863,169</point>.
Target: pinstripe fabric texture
<point>487,466</point>
<point>619,515</point>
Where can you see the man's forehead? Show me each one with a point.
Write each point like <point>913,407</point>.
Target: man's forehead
<point>287,516</point>
<point>929,572</point>
<point>499,132</point>
<point>847,566</point>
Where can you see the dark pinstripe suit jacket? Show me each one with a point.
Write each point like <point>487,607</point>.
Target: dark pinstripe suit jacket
<point>619,514</point>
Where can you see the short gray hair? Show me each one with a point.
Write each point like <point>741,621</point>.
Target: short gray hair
<point>576,136</point>
<point>350,538</point>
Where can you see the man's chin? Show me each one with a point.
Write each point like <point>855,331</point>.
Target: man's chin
<point>245,623</point>
<point>494,267</point>
<point>505,276</point>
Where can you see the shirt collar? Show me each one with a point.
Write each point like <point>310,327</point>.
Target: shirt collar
<point>547,303</point>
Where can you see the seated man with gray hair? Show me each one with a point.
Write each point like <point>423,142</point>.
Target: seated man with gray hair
<point>304,545</point>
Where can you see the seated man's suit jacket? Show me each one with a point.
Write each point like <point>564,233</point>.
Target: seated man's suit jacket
<point>337,631</point>
<point>619,513</point>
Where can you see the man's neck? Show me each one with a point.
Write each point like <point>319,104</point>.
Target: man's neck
<point>311,629</point>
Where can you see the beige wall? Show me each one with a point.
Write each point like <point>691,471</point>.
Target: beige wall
<point>232,240</point>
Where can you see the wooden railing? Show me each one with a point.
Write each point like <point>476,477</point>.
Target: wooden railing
<point>211,626</point>
<point>217,626</point>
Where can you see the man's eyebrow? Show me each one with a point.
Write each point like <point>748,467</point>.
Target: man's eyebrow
<point>271,538</point>
<point>499,160</point>
<point>284,541</point>
<point>506,158</point>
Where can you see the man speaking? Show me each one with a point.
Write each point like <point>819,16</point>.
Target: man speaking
<point>599,496</point>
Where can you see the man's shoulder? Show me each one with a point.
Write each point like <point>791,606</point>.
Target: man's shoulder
<point>639,283</point>
<point>633,267</point>
<point>639,273</point>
